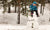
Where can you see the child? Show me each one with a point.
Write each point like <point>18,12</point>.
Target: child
<point>33,7</point>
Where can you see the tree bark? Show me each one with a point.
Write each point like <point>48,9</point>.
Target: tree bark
<point>4,9</point>
<point>22,9</point>
<point>41,9</point>
<point>25,7</point>
<point>9,8</point>
<point>4,6</point>
<point>15,7</point>
<point>19,12</point>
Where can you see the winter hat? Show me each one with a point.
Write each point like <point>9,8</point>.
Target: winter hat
<point>34,2</point>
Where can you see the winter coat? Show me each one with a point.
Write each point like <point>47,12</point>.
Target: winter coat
<point>33,7</point>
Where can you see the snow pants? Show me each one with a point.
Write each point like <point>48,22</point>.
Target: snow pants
<point>33,12</point>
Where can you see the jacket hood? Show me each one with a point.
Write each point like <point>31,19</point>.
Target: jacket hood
<point>34,2</point>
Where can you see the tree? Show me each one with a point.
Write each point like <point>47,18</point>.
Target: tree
<point>9,11</point>
<point>4,5</point>
<point>15,2</point>
<point>18,11</point>
<point>22,7</point>
<point>42,2</point>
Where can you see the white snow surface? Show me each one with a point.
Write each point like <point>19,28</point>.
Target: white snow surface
<point>40,23</point>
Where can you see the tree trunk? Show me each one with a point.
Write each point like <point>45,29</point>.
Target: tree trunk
<point>15,7</point>
<point>18,13</point>
<point>41,9</point>
<point>25,7</point>
<point>4,9</point>
<point>22,9</point>
<point>9,8</point>
<point>4,6</point>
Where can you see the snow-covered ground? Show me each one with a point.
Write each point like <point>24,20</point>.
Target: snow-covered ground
<point>11,27</point>
<point>40,23</point>
<point>11,18</point>
<point>44,19</point>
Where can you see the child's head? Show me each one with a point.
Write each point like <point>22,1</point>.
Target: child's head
<point>34,3</point>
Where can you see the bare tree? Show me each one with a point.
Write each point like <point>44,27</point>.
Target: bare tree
<point>4,5</point>
<point>18,11</point>
<point>42,2</point>
<point>9,11</point>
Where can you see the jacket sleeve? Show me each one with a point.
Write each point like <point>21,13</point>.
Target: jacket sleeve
<point>30,7</point>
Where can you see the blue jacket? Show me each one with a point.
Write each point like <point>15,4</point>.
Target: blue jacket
<point>33,7</point>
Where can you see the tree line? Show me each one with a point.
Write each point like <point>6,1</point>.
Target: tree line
<point>21,3</point>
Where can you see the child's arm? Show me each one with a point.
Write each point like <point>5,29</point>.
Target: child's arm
<point>30,7</point>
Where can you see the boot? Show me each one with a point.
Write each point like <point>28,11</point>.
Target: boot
<point>37,15</point>
<point>31,15</point>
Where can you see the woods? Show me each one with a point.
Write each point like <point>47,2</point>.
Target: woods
<point>23,4</point>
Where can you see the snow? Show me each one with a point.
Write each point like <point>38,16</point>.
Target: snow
<point>44,27</point>
<point>45,18</point>
<point>11,27</point>
<point>40,23</point>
